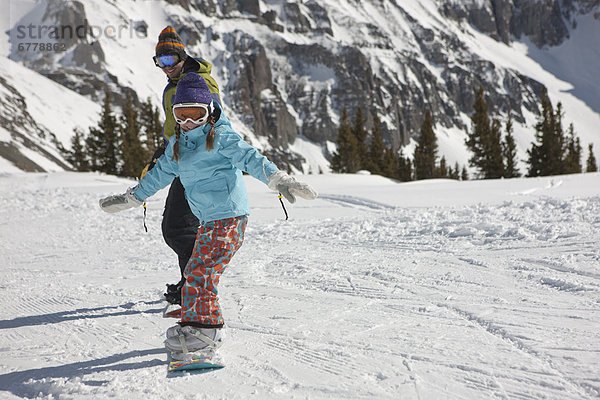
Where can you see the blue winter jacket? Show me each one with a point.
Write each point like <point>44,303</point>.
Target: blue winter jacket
<point>214,187</point>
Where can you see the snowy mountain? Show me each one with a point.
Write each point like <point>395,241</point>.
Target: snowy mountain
<point>288,68</point>
<point>376,290</point>
<point>37,116</point>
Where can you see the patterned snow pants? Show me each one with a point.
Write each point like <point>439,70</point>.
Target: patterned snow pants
<point>216,243</point>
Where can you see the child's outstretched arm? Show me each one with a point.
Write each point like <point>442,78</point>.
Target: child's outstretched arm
<point>248,159</point>
<point>157,178</point>
<point>242,155</point>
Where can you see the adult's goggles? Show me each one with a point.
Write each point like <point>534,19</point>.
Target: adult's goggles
<point>197,113</point>
<point>167,60</point>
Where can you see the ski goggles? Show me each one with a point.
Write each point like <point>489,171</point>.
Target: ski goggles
<point>167,60</point>
<point>197,113</point>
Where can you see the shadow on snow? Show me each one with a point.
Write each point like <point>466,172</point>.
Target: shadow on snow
<point>81,313</point>
<point>18,382</point>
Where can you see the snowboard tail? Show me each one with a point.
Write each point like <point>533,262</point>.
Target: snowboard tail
<point>173,313</point>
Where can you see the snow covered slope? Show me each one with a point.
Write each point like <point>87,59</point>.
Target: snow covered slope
<point>424,290</point>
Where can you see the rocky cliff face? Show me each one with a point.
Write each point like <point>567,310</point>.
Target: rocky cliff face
<point>543,22</point>
<point>79,62</point>
<point>26,134</point>
<point>290,67</point>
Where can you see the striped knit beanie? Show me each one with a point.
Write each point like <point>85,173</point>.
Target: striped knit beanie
<point>169,42</point>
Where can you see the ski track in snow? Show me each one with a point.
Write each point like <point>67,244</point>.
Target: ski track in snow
<point>498,301</point>
<point>353,201</point>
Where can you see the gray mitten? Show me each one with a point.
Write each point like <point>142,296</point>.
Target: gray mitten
<point>289,187</point>
<point>120,202</point>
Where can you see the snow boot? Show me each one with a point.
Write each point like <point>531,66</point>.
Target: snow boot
<point>186,342</point>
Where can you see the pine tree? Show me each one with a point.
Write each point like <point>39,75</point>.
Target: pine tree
<point>426,150</point>
<point>346,158</point>
<point>151,126</point>
<point>442,171</point>
<point>455,173</point>
<point>544,129</point>
<point>77,156</point>
<point>547,154</point>
<point>390,164</point>
<point>405,170</point>
<point>464,175</point>
<point>102,142</point>
<point>480,131</point>
<point>376,149</point>
<point>360,133</point>
<point>494,163</point>
<point>574,150</point>
<point>484,140</point>
<point>134,155</point>
<point>558,150</point>
<point>509,151</point>
<point>94,143</point>
<point>590,164</point>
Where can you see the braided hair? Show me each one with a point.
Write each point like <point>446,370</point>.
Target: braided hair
<point>210,138</point>
<point>176,145</point>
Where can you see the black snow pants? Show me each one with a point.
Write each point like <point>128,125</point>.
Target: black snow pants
<point>179,224</point>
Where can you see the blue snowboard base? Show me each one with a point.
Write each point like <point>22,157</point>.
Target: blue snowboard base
<point>195,365</point>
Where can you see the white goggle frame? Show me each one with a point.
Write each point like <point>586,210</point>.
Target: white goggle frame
<point>209,108</point>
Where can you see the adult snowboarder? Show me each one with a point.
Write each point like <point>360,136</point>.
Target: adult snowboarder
<point>208,156</point>
<point>179,224</point>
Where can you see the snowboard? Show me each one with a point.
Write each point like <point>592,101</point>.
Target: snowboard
<point>194,365</point>
<point>172,311</point>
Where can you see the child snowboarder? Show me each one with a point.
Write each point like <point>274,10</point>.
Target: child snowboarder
<point>208,157</point>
